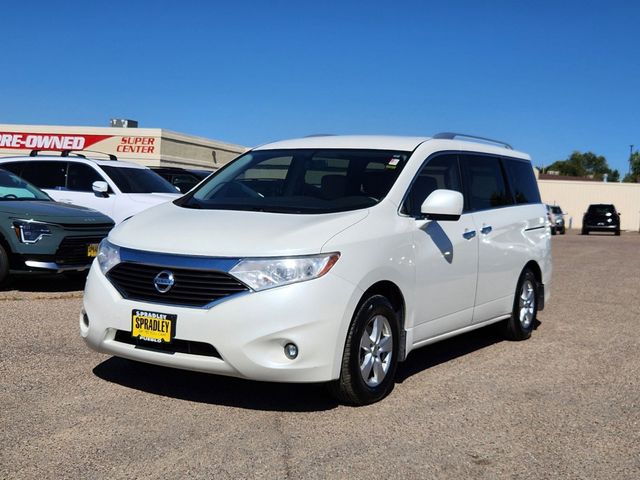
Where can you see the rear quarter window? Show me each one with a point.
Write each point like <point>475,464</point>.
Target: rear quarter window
<point>522,180</point>
<point>42,174</point>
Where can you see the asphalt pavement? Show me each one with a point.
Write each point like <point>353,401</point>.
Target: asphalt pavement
<point>564,404</point>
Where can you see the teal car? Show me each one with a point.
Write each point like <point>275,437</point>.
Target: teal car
<point>38,234</point>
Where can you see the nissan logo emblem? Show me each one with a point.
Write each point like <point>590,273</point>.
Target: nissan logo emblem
<point>164,281</point>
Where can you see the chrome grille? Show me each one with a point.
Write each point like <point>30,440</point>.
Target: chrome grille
<point>192,288</point>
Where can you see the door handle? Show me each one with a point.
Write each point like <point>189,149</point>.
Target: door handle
<point>486,229</point>
<point>469,234</point>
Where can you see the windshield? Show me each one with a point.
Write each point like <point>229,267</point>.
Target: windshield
<point>138,180</point>
<point>300,181</point>
<point>601,209</point>
<point>556,210</point>
<point>14,188</point>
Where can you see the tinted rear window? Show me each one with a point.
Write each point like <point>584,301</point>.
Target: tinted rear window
<point>523,182</point>
<point>601,209</point>
<point>51,175</point>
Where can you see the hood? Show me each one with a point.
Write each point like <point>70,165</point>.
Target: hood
<point>54,212</point>
<point>230,233</point>
<point>153,198</point>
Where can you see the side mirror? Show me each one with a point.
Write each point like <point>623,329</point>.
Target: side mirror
<point>443,205</point>
<point>100,188</point>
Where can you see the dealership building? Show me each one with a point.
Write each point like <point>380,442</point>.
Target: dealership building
<point>153,147</point>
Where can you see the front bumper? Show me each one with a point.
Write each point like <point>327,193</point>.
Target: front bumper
<point>602,228</point>
<point>248,332</point>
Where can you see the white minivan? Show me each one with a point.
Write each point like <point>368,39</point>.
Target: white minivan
<point>326,259</point>
<point>115,188</point>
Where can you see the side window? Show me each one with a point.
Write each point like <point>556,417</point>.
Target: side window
<point>440,172</point>
<point>522,181</point>
<point>45,174</point>
<point>13,167</point>
<point>485,182</point>
<point>80,177</point>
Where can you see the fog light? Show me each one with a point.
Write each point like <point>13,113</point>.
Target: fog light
<point>291,350</point>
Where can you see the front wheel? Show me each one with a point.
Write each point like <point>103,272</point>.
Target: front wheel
<point>525,308</point>
<point>370,355</point>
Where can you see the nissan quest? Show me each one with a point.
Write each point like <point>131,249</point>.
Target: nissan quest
<point>327,259</point>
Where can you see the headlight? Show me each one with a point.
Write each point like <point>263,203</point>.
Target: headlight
<point>29,231</point>
<point>263,273</point>
<point>108,255</point>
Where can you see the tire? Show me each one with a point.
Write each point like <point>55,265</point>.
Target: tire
<point>363,382</point>
<point>4,267</point>
<point>563,231</point>
<point>525,308</point>
<point>617,233</point>
<point>585,231</point>
<point>553,230</point>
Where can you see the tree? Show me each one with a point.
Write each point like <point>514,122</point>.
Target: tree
<point>634,175</point>
<point>586,164</point>
<point>614,176</point>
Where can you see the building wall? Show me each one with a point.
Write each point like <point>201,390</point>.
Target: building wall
<point>179,150</point>
<point>152,147</point>
<point>574,197</point>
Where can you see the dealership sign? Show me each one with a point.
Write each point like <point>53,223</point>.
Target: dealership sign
<point>115,144</point>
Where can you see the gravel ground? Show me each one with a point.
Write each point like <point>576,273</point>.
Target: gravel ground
<point>565,404</point>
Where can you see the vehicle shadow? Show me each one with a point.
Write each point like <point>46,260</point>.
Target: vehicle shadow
<point>450,349</point>
<point>284,397</point>
<point>46,283</point>
<point>215,389</point>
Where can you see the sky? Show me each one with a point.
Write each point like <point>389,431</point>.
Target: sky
<point>549,77</point>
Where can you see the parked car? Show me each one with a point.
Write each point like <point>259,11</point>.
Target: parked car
<point>326,259</point>
<point>601,217</point>
<point>40,235</point>
<point>556,219</point>
<point>117,189</point>
<point>181,178</point>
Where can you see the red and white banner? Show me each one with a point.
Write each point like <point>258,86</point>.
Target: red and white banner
<point>136,146</point>
<point>48,141</point>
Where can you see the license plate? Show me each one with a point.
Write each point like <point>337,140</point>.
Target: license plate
<point>153,326</point>
<point>92,250</point>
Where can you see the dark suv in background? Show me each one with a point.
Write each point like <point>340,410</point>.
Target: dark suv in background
<point>601,217</point>
<point>181,178</point>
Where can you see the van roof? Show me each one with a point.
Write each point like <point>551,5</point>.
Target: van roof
<point>389,142</point>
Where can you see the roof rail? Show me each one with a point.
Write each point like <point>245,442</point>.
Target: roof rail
<point>452,135</point>
<point>66,153</point>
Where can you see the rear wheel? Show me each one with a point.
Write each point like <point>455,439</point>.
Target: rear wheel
<point>4,266</point>
<point>370,354</point>
<point>525,308</point>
